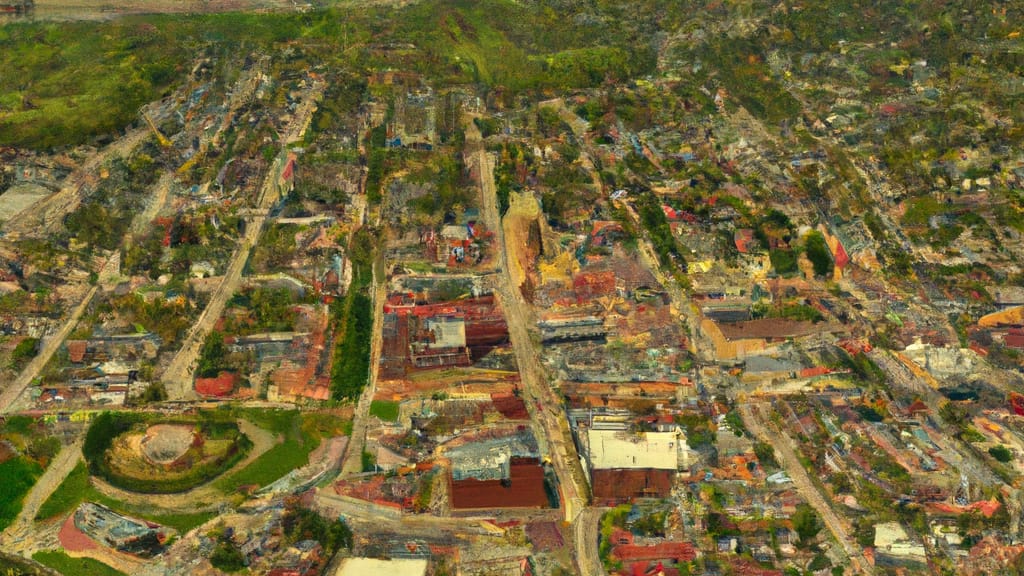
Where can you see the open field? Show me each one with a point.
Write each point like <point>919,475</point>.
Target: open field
<point>67,565</point>
<point>301,433</point>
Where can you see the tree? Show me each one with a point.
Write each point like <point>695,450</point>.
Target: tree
<point>155,392</point>
<point>25,351</point>
<point>806,524</point>
<point>227,557</point>
<point>1001,453</point>
<point>212,355</point>
<point>818,253</point>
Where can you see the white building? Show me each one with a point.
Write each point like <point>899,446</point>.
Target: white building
<point>623,449</point>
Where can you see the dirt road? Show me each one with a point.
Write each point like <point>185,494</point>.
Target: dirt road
<point>11,395</point>
<point>586,532</point>
<point>753,414</point>
<point>550,425</point>
<point>43,217</point>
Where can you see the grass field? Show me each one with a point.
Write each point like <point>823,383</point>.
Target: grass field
<point>18,476</point>
<point>76,489</point>
<point>385,410</point>
<point>302,434</point>
<point>69,566</point>
<point>71,492</point>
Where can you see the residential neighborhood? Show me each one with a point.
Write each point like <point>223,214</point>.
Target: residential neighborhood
<point>511,288</point>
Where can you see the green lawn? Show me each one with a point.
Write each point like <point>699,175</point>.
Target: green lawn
<point>18,476</point>
<point>71,492</point>
<point>76,489</point>
<point>69,566</point>
<point>18,566</point>
<point>385,410</point>
<point>302,434</point>
<point>273,464</point>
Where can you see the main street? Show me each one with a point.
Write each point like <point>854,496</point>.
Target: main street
<point>542,402</point>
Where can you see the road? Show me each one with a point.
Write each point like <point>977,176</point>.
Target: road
<point>178,376</point>
<point>553,436</point>
<point>50,345</point>
<point>752,414</point>
<point>15,537</point>
<point>586,531</point>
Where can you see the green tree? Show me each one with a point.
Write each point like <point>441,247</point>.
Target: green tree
<point>806,524</point>
<point>226,557</point>
<point>25,351</point>
<point>1001,453</point>
<point>818,253</point>
<point>211,357</point>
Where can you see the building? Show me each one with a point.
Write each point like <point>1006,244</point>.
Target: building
<point>524,487</point>
<point>893,546</point>
<point>624,464</point>
<point>610,449</point>
<point>393,567</point>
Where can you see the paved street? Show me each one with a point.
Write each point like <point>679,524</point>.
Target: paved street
<point>754,418</point>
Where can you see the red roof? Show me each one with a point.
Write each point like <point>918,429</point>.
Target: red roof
<point>511,407</point>
<point>592,284</point>
<point>220,386</point>
<point>917,406</point>
<point>743,238</point>
<point>682,551</point>
<point>76,350</point>
<point>623,485</point>
<point>840,256</point>
<point>1014,340</point>
<point>814,371</point>
<point>524,489</point>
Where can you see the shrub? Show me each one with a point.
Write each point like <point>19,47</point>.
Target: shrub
<point>818,253</point>
<point>1001,453</point>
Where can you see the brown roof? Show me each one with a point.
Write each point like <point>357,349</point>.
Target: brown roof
<point>76,350</point>
<point>524,489</point>
<point>222,385</point>
<point>622,485</point>
<point>772,328</point>
<point>511,407</point>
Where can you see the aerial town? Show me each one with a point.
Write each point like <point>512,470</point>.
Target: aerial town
<point>440,287</point>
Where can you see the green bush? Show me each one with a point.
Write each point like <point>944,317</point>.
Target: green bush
<point>25,351</point>
<point>101,434</point>
<point>1001,453</point>
<point>226,557</point>
<point>818,253</point>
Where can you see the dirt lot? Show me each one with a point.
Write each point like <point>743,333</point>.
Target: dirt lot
<point>452,381</point>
